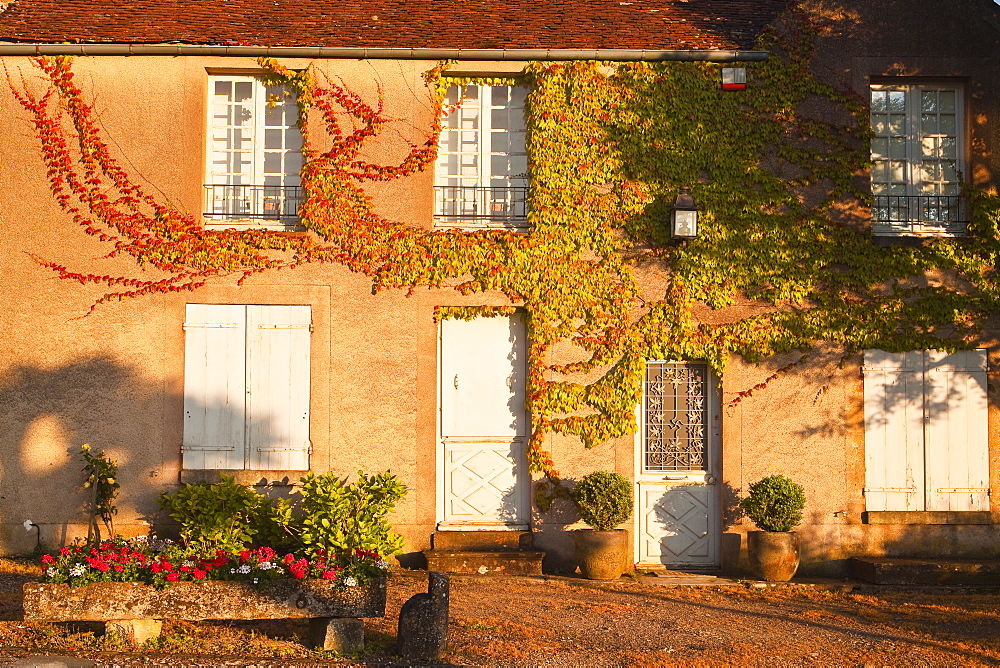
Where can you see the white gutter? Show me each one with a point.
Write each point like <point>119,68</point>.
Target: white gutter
<point>364,53</point>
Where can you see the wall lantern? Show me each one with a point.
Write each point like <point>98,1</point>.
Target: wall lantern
<point>684,217</point>
<point>734,78</point>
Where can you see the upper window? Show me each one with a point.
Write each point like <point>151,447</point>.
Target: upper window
<point>481,176</point>
<point>917,154</point>
<point>246,387</point>
<point>254,154</point>
<point>926,438</point>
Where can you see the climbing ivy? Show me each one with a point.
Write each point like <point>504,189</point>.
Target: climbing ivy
<point>610,146</point>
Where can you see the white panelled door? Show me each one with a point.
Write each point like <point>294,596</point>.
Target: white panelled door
<point>677,461</point>
<point>926,441</point>
<point>482,463</point>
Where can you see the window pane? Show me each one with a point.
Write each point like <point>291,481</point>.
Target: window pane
<point>244,91</point>
<point>947,125</point>
<point>879,98</point>
<point>929,124</point>
<point>897,148</point>
<point>947,101</point>
<point>929,100</point>
<point>897,124</point>
<point>897,101</point>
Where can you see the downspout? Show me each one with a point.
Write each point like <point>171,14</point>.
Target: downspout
<point>364,53</point>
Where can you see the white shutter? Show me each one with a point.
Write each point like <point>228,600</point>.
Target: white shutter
<point>214,386</point>
<point>278,383</point>
<point>894,457</point>
<point>956,433</point>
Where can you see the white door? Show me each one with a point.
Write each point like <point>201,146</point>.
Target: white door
<point>482,463</point>
<point>677,463</point>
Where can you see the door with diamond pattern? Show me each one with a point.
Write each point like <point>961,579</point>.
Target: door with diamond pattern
<point>677,461</point>
<point>482,464</point>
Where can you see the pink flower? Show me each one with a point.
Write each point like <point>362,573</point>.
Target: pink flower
<point>64,551</point>
<point>48,559</point>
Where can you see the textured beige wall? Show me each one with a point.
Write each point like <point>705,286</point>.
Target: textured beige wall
<point>115,378</point>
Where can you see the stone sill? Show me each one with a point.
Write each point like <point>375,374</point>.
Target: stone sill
<point>242,477</point>
<point>926,517</point>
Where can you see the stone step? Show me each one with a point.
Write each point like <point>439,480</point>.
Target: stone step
<point>482,541</point>
<point>915,571</point>
<point>494,562</point>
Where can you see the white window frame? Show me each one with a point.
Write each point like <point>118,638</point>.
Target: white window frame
<point>246,387</point>
<point>926,436</point>
<point>918,156</point>
<point>253,154</point>
<point>481,173</point>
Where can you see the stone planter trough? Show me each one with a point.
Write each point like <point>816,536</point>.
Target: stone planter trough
<point>137,610</point>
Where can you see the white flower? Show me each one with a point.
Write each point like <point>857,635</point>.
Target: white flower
<point>78,569</point>
<point>279,570</point>
<point>483,570</point>
<point>52,571</point>
<point>255,580</point>
<point>350,582</point>
<point>189,563</point>
<point>266,565</point>
<point>382,563</point>
<point>232,570</point>
<point>244,569</point>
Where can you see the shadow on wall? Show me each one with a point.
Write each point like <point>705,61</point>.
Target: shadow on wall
<point>46,414</point>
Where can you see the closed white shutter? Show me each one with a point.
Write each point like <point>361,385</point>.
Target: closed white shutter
<point>926,441</point>
<point>214,386</point>
<point>894,451</point>
<point>278,382</point>
<point>956,433</point>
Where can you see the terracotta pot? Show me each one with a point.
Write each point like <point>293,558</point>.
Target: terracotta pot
<point>774,556</point>
<point>602,555</point>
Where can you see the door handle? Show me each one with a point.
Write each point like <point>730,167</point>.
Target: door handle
<point>675,477</point>
<point>456,381</point>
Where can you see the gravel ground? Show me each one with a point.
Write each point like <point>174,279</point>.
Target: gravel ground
<point>570,622</point>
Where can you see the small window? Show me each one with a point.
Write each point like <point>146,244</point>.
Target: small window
<point>246,387</point>
<point>254,154</point>
<point>481,176</point>
<point>916,151</point>
<point>926,440</point>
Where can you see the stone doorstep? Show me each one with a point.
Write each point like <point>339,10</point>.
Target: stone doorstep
<point>915,571</point>
<point>481,541</point>
<point>485,562</point>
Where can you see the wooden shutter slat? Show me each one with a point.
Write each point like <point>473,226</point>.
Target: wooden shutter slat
<point>278,370</point>
<point>214,397</point>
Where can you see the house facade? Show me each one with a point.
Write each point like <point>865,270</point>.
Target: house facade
<point>396,308</point>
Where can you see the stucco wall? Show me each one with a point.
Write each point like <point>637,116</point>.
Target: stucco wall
<point>114,379</point>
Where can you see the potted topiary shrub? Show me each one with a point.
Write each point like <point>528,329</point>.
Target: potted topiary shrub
<point>604,500</point>
<point>775,505</point>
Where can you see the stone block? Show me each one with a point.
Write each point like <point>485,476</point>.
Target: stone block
<point>423,622</point>
<point>138,630</point>
<point>193,601</point>
<point>340,634</point>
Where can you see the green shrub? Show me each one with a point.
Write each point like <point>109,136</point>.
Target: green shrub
<point>224,515</point>
<point>604,499</point>
<point>335,515</point>
<point>775,503</point>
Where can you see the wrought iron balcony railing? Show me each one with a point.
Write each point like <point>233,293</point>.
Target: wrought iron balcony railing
<point>920,213</point>
<point>256,203</point>
<point>481,206</point>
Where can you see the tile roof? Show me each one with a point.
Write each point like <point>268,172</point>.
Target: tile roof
<point>467,24</point>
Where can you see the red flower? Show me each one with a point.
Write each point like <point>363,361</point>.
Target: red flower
<point>199,574</point>
<point>48,559</point>
<point>173,577</point>
<point>64,551</point>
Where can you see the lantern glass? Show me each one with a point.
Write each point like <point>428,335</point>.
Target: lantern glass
<point>685,223</point>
